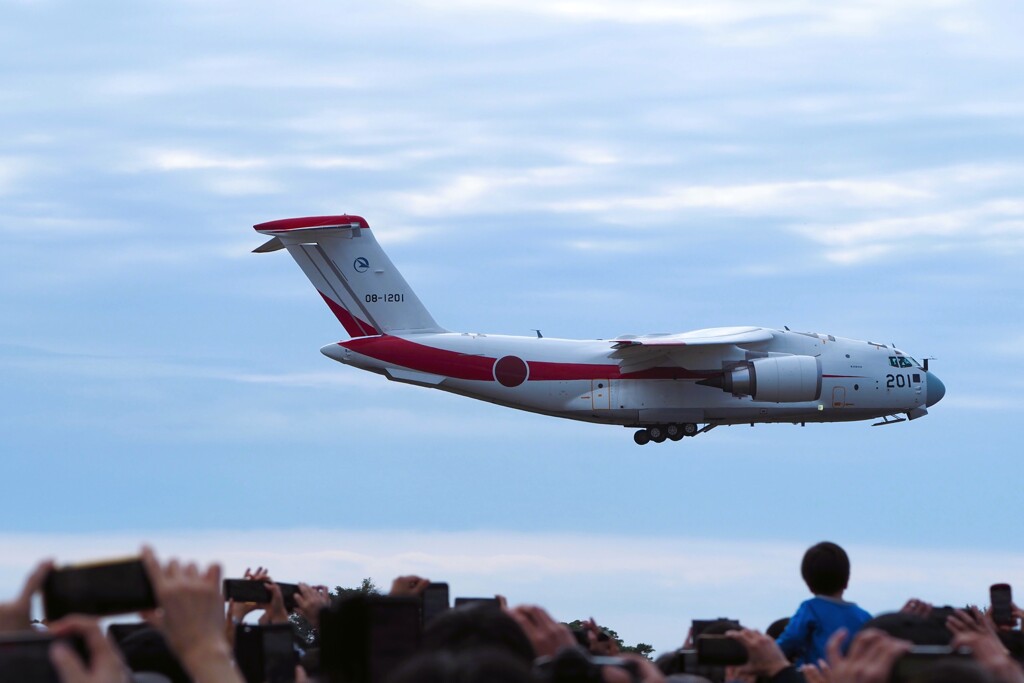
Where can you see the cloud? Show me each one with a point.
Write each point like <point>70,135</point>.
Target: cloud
<point>188,160</point>
<point>111,367</point>
<point>737,21</point>
<point>220,72</point>
<point>12,171</point>
<point>993,226</point>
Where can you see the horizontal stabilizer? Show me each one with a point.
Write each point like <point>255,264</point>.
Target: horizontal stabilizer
<point>293,225</point>
<point>273,244</point>
<point>414,377</point>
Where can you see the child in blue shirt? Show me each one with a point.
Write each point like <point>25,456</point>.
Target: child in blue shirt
<point>826,571</point>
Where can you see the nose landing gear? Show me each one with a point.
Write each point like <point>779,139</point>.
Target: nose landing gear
<point>658,433</point>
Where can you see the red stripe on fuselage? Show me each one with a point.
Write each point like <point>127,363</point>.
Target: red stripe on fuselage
<point>353,325</point>
<point>457,365</point>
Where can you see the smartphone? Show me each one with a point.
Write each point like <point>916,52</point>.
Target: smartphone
<point>266,654</point>
<point>247,590</point>
<point>25,657</point>
<point>119,632</point>
<point>364,638</point>
<point>99,589</point>
<point>720,651</point>
<point>435,601</point>
<point>491,602</point>
<point>1002,604</point>
<point>698,626</point>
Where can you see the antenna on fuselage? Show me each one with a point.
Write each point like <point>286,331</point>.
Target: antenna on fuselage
<point>539,335</point>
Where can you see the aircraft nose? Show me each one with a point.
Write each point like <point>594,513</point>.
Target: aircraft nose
<point>936,390</point>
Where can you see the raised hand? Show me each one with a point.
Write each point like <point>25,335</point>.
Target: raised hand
<point>16,614</point>
<point>193,617</point>
<point>870,659</point>
<point>545,634</point>
<point>105,664</point>
<point>310,600</point>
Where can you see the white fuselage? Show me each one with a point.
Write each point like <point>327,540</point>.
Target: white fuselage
<point>578,379</point>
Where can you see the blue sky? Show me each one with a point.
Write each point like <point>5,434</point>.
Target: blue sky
<point>589,169</point>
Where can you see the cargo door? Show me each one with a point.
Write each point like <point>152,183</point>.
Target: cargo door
<point>839,397</point>
<point>601,394</point>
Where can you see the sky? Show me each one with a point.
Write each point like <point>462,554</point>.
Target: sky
<point>588,169</point>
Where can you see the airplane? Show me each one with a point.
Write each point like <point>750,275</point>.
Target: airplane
<point>666,386</point>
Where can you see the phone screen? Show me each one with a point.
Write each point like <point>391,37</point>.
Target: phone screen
<point>490,602</point>
<point>99,589</point>
<point>247,590</point>
<point>435,601</point>
<point>1002,604</point>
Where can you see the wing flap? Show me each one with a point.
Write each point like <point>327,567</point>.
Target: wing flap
<point>695,348</point>
<point>707,337</point>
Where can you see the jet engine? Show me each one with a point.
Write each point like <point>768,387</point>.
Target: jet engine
<point>781,379</point>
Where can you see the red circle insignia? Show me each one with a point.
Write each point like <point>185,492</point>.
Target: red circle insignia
<point>511,371</point>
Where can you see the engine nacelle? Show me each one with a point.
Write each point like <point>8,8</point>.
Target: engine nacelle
<point>782,379</point>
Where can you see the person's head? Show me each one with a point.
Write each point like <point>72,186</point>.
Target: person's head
<point>826,569</point>
<point>777,627</point>
<point>476,627</point>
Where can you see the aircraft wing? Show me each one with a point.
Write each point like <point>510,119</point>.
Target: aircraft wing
<point>649,351</point>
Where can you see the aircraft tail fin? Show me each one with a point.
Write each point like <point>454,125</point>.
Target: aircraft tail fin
<point>357,280</point>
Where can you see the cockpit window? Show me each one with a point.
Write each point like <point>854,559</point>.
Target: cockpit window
<point>901,362</point>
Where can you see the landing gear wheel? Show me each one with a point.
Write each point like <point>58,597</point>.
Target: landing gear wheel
<point>659,439</point>
<point>690,429</point>
<point>657,433</point>
<point>641,437</point>
<point>674,432</point>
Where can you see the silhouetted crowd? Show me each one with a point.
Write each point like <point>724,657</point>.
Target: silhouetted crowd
<point>198,627</point>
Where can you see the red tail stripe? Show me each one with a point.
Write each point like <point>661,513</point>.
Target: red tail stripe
<point>353,325</point>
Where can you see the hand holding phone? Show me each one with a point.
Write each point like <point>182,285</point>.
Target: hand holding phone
<point>17,614</point>
<point>258,592</point>
<point>98,589</point>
